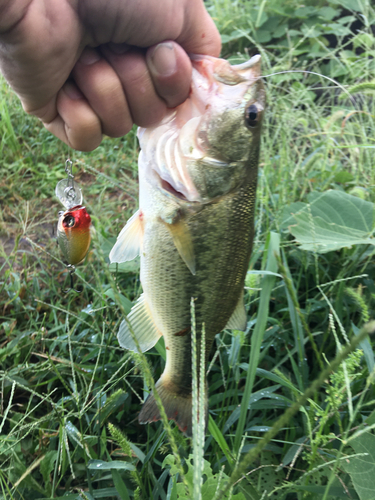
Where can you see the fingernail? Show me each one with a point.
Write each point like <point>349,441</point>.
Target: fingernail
<point>89,56</point>
<point>163,59</point>
<point>72,91</point>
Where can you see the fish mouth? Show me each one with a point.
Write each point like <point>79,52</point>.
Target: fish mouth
<point>180,141</point>
<point>166,186</point>
<point>171,147</point>
<point>171,190</point>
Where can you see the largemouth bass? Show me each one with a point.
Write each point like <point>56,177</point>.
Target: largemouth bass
<point>194,227</point>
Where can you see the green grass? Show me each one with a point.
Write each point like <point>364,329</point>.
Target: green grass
<point>70,395</point>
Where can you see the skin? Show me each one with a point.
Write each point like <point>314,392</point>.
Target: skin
<point>91,67</point>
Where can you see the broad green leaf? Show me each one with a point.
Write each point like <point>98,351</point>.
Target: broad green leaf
<point>210,484</point>
<point>362,469</point>
<point>370,420</point>
<point>268,475</point>
<point>47,465</point>
<point>327,13</point>
<point>235,35</point>
<point>330,221</point>
<point>262,36</point>
<point>349,4</point>
<point>343,176</point>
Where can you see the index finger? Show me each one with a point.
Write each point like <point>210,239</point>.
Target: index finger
<point>145,23</point>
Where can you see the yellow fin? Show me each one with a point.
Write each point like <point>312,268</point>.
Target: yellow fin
<point>238,320</point>
<point>143,326</point>
<point>183,242</point>
<point>128,241</point>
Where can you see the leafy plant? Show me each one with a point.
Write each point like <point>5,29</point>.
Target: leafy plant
<point>330,221</point>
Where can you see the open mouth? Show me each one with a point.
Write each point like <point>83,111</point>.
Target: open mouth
<point>170,189</point>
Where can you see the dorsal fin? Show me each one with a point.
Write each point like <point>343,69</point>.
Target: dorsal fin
<point>143,326</point>
<point>128,241</point>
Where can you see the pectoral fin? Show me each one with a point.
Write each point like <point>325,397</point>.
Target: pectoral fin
<point>128,241</point>
<point>238,320</point>
<point>143,326</point>
<point>182,239</point>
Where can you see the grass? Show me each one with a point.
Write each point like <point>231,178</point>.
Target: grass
<point>70,395</point>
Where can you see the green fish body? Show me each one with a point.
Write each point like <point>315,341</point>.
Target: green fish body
<point>194,227</point>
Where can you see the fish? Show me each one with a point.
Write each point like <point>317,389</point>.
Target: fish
<point>198,172</point>
<point>74,234</point>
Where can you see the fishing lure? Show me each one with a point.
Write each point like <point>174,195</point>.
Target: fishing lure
<point>74,224</point>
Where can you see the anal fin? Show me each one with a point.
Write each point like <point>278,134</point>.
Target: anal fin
<point>129,240</point>
<point>143,326</point>
<point>183,242</point>
<point>238,320</point>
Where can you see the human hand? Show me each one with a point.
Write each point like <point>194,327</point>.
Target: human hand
<point>88,67</point>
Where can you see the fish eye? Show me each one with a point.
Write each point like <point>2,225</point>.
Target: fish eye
<point>69,221</point>
<point>252,116</point>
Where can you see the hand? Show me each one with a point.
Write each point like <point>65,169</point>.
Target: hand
<point>88,67</point>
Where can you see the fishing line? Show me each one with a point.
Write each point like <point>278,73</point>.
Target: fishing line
<point>74,223</point>
<point>114,182</point>
<point>337,84</point>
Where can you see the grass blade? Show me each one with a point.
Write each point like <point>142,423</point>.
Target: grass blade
<point>297,327</point>
<point>268,281</point>
<point>240,470</point>
<point>215,432</point>
<point>122,490</point>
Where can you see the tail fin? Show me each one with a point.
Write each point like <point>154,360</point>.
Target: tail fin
<point>178,407</point>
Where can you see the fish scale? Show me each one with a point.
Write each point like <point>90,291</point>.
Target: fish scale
<point>195,242</point>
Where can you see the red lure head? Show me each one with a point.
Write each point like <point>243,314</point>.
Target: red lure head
<point>76,219</point>
<point>73,234</point>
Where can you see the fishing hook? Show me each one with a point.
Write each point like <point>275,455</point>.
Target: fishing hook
<point>72,270</point>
